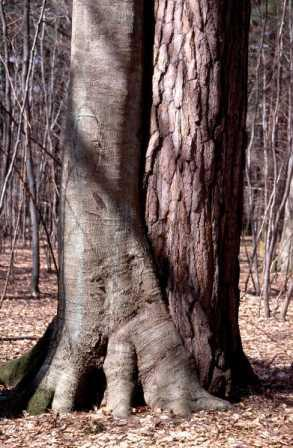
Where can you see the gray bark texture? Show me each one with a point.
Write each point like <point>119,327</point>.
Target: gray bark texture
<point>112,317</point>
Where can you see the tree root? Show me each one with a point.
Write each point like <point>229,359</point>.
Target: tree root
<point>40,401</point>
<point>151,343</point>
<point>24,375</point>
<point>147,349</point>
<point>12,372</point>
<point>34,401</point>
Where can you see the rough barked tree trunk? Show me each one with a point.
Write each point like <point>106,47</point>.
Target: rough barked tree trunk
<point>194,175</point>
<point>111,311</point>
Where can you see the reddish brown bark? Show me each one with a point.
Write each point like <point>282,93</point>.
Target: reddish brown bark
<point>193,175</point>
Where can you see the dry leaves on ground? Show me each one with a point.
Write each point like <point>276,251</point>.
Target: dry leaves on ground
<point>261,420</point>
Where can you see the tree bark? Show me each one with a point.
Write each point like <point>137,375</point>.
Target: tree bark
<point>29,163</point>
<point>6,120</point>
<point>286,244</point>
<point>111,313</point>
<point>194,177</point>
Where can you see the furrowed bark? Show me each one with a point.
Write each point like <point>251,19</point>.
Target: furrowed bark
<point>194,175</point>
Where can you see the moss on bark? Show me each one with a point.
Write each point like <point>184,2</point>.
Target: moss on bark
<point>12,372</point>
<point>40,401</point>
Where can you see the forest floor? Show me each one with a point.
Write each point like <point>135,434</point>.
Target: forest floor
<point>262,420</point>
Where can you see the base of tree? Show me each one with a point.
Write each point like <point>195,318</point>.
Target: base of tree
<point>165,373</point>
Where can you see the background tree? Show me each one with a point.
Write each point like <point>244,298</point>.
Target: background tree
<point>269,153</point>
<point>26,67</point>
<point>32,139</point>
<point>286,252</point>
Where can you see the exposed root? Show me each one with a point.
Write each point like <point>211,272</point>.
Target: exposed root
<point>40,401</point>
<point>210,403</point>
<point>29,397</point>
<point>65,392</point>
<point>182,407</point>
<point>147,349</point>
<point>119,366</point>
<point>26,375</point>
<point>150,343</point>
<point>12,372</point>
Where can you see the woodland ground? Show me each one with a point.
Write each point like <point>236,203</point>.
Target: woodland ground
<point>262,419</point>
